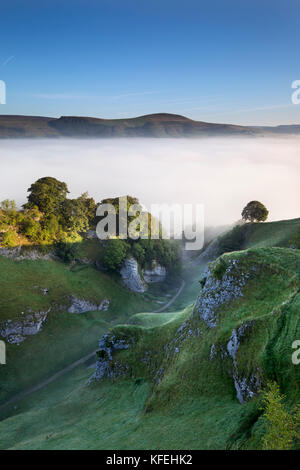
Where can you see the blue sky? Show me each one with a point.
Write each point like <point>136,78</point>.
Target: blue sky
<point>219,61</point>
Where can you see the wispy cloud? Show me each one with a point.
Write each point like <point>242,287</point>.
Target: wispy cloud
<point>9,59</point>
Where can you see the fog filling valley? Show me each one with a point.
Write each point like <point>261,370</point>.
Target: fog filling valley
<point>221,173</point>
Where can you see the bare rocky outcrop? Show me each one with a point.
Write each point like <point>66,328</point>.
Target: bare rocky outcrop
<point>131,276</point>
<point>246,387</point>
<point>137,281</point>
<point>82,306</point>
<point>220,291</point>
<point>18,254</point>
<point>16,331</point>
<point>223,283</point>
<point>213,352</point>
<point>156,273</point>
<point>106,366</point>
<point>104,305</point>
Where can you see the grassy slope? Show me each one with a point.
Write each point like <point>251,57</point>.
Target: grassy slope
<point>272,233</point>
<point>112,417</point>
<point>194,405</point>
<point>64,337</point>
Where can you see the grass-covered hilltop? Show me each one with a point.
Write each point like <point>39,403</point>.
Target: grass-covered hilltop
<point>158,125</point>
<point>202,355</point>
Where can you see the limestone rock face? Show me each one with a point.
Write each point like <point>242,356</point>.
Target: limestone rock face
<point>15,332</point>
<point>18,254</point>
<point>82,306</point>
<point>246,387</point>
<point>157,273</point>
<point>217,292</point>
<point>131,276</point>
<point>104,305</point>
<point>106,366</point>
<point>137,282</point>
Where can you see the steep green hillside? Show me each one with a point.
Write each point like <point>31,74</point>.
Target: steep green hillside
<point>279,233</point>
<point>254,235</point>
<point>191,381</point>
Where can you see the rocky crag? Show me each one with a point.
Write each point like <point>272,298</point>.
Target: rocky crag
<point>136,279</point>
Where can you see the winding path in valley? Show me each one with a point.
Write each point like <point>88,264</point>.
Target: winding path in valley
<point>75,364</point>
<point>171,300</point>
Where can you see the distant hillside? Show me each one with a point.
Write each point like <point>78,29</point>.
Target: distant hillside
<point>152,125</point>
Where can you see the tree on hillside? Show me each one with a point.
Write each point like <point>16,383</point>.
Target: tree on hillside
<point>255,211</point>
<point>115,253</point>
<point>47,194</point>
<point>90,205</point>
<point>74,217</point>
<point>282,427</point>
<point>121,218</point>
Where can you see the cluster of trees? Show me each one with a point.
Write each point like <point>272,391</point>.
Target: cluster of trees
<point>48,216</point>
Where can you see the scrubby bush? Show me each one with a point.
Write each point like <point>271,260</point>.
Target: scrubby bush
<point>9,239</point>
<point>282,427</point>
<point>66,251</point>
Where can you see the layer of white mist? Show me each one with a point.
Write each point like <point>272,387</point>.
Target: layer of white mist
<point>223,174</point>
